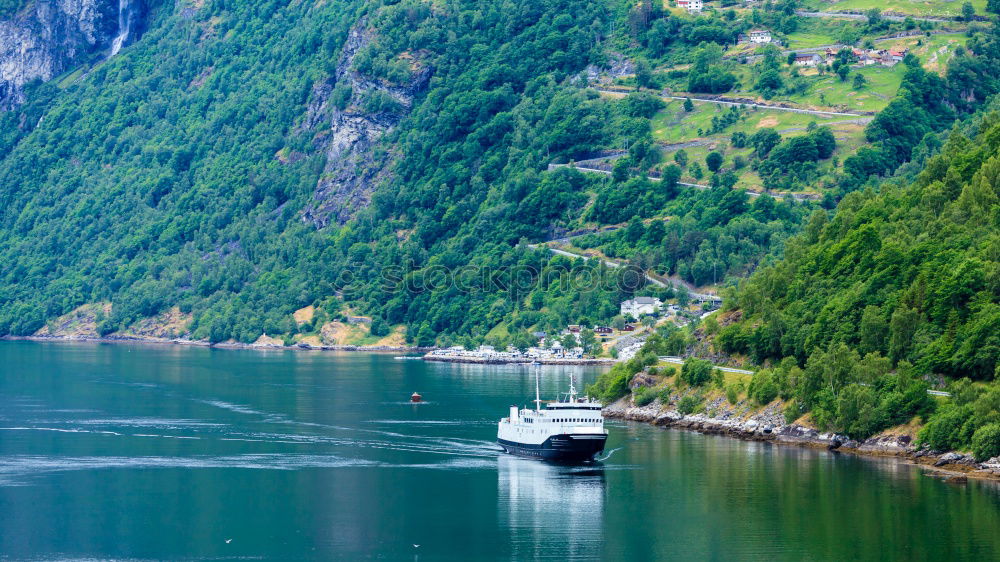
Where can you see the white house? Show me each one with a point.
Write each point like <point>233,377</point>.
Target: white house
<point>760,36</point>
<point>640,305</point>
<point>690,5</point>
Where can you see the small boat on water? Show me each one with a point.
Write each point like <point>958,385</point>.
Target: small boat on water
<point>569,429</point>
<point>416,397</point>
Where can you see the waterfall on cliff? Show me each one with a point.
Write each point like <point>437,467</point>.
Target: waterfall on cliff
<point>124,23</point>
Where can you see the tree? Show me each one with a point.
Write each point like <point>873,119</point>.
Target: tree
<point>588,341</point>
<point>642,104</point>
<point>618,322</point>
<point>681,157</point>
<point>848,35</point>
<point>683,296</point>
<point>872,330</point>
<point>726,180</point>
<point>986,442</point>
<point>640,150</point>
<point>843,71</point>
<point>643,74</point>
<point>696,172</point>
<point>706,74</point>
<point>769,58</point>
<point>635,230</point>
<point>689,105</point>
<point>825,142</point>
<point>763,389</point>
<point>713,161</point>
<point>902,326</point>
<point>859,81</point>
<point>968,12</point>
<point>993,6</point>
<point>568,340</point>
<point>379,327</point>
<point>522,340</point>
<point>764,140</point>
<point>655,233</point>
<point>619,170</point>
<point>696,372</point>
<point>790,59</point>
<point>770,81</point>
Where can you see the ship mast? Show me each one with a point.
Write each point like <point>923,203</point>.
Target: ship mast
<point>538,398</point>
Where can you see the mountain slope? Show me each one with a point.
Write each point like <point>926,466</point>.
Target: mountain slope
<point>911,273</point>
<point>177,172</point>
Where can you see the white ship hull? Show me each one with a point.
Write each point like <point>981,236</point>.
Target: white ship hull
<point>571,430</point>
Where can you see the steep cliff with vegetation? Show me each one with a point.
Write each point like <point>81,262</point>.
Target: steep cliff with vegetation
<point>240,161</point>
<point>40,39</point>
<point>188,170</point>
<point>899,287</point>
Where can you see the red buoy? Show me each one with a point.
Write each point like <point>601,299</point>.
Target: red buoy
<point>416,397</point>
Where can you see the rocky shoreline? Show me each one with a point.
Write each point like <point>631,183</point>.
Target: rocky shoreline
<point>221,345</point>
<point>768,425</point>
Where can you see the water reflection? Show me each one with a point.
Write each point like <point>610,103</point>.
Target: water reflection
<point>551,510</point>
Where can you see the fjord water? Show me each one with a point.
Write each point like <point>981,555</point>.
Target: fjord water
<point>147,452</point>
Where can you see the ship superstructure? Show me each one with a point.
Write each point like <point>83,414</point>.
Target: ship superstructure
<point>570,429</point>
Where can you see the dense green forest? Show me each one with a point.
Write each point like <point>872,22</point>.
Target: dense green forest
<point>899,290</point>
<point>153,180</point>
<point>898,287</point>
<point>911,272</point>
<point>161,177</point>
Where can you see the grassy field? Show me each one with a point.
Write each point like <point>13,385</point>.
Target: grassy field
<point>673,124</point>
<point>828,90</point>
<point>69,78</point>
<point>943,8</point>
<point>815,32</point>
<point>934,51</point>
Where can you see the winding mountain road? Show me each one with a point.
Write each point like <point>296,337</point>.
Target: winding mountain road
<point>852,16</point>
<point>796,196</point>
<point>650,278</point>
<point>747,104</point>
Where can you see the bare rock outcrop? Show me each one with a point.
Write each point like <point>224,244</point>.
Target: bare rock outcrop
<point>47,37</point>
<point>350,114</point>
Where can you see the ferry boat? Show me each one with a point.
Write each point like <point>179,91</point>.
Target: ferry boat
<point>570,429</point>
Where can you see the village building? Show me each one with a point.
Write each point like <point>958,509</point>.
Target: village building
<point>807,59</point>
<point>640,305</point>
<point>690,5</point>
<point>893,57</point>
<point>760,36</point>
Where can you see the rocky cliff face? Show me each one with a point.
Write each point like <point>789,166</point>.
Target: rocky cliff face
<point>348,129</point>
<point>48,36</point>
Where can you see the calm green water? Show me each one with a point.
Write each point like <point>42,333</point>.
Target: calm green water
<point>115,451</point>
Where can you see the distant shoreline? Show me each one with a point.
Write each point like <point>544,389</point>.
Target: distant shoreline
<point>221,345</point>
<point>307,347</point>
<point>518,361</point>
